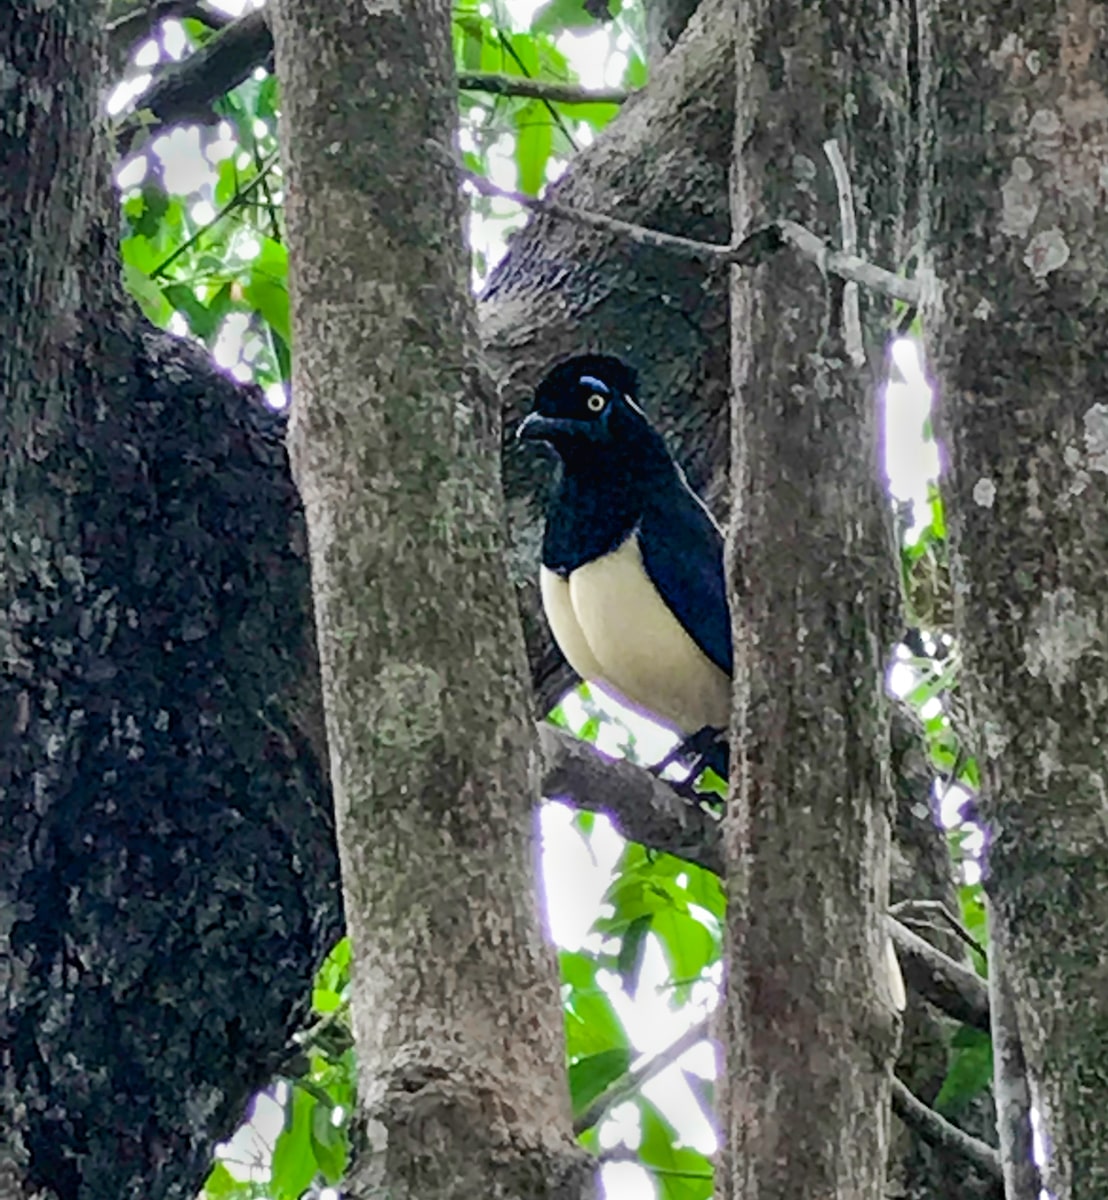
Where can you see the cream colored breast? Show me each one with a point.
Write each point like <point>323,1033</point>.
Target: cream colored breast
<point>615,629</point>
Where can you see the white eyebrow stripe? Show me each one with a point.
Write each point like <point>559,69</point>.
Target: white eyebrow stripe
<point>598,384</point>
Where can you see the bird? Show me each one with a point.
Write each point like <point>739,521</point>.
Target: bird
<point>632,577</point>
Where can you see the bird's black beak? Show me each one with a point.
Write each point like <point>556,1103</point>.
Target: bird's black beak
<point>537,428</point>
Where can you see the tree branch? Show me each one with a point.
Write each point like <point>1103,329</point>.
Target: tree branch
<point>937,1131</point>
<point>186,91</point>
<point>647,810</point>
<point>642,807</point>
<point>628,1085</point>
<point>1011,1089</point>
<point>755,248</point>
<point>539,89</point>
<point>958,991</point>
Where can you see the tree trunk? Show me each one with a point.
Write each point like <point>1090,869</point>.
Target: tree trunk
<point>810,1020</point>
<point>395,447</point>
<point>168,869</point>
<point>1018,98</point>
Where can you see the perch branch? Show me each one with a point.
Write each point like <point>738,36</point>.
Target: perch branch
<point>647,810</point>
<point>642,807</point>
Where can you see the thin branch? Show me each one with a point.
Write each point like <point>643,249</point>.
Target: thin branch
<point>539,89</point>
<point>1011,1089</point>
<point>936,908</point>
<point>630,1084</point>
<point>937,1131</point>
<point>236,201</point>
<point>848,236</point>
<point>951,987</point>
<point>755,248</point>
<point>645,809</point>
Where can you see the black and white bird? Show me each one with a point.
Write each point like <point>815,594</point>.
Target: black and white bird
<point>632,562</point>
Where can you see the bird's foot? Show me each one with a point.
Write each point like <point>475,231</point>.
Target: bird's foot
<point>707,748</point>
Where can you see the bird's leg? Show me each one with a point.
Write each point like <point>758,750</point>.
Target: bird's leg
<point>701,749</point>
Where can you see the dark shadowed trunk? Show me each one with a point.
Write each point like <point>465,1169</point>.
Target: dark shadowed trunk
<point>168,870</point>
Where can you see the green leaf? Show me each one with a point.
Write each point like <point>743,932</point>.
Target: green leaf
<point>590,1077</point>
<point>328,1144</point>
<point>970,1071</point>
<point>632,948</point>
<point>149,296</point>
<point>266,289</point>
<point>294,1162</point>
<point>220,1182</point>
<point>689,945</point>
<point>680,1172</point>
<point>534,143</point>
<point>201,320</point>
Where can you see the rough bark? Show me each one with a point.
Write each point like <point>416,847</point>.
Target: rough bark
<point>394,441</point>
<point>168,872</point>
<point>1018,102</point>
<point>811,1031</point>
<point>665,21</point>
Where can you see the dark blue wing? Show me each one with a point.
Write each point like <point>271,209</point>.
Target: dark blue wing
<point>682,552</point>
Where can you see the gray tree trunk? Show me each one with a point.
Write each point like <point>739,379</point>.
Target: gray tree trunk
<point>812,1031</point>
<point>1017,104</point>
<point>395,447</point>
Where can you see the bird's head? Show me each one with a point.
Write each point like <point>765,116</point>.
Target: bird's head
<point>586,409</point>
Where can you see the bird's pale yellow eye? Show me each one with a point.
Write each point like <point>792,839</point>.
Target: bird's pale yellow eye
<point>596,402</point>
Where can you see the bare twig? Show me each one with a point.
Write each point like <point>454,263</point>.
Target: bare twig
<point>936,1130</point>
<point>538,89</point>
<point>906,910</point>
<point>848,236</point>
<point>628,1085</point>
<point>1011,1089</point>
<point>755,248</point>
<point>752,250</point>
<point>958,991</point>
